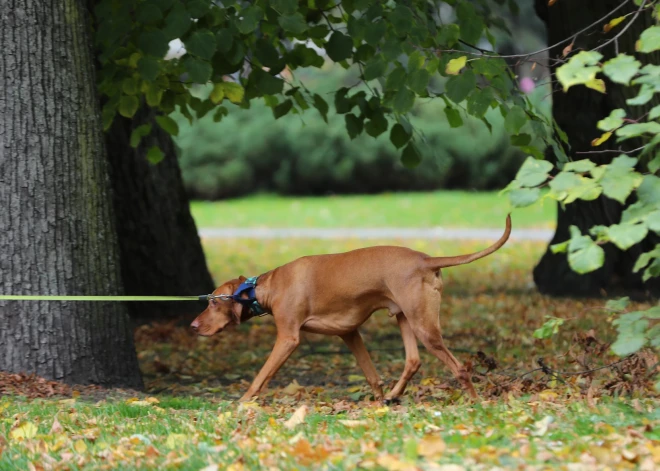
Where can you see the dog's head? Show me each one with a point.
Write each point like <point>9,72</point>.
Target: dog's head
<point>220,313</point>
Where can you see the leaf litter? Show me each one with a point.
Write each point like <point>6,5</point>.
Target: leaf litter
<point>562,402</point>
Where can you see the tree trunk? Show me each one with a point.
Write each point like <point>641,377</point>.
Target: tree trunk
<point>161,253</point>
<point>57,227</point>
<point>577,112</point>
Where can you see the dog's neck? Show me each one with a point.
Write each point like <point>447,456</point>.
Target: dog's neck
<point>262,293</point>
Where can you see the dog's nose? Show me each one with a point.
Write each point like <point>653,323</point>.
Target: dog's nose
<point>195,325</point>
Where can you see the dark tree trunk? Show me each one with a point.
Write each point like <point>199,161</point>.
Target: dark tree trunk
<point>57,226</point>
<point>577,113</point>
<point>161,253</point>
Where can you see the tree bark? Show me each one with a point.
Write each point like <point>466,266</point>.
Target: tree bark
<point>577,113</point>
<point>160,250</point>
<point>57,226</point>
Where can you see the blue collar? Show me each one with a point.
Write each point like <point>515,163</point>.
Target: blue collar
<point>249,287</point>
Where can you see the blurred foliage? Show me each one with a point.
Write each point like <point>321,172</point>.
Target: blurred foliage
<point>250,152</point>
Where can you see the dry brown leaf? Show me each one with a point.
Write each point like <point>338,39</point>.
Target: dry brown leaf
<point>567,50</point>
<point>431,447</point>
<point>297,418</point>
<point>353,423</point>
<point>292,388</point>
<point>57,427</point>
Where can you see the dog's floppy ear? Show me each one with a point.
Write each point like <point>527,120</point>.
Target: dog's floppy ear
<point>241,278</point>
<point>237,311</point>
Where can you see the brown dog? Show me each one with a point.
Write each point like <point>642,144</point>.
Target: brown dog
<point>335,294</point>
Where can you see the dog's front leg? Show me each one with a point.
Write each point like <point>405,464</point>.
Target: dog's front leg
<point>284,347</point>
<point>356,345</point>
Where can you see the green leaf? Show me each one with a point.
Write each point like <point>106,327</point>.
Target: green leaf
<point>627,343</point>
<point>401,19</point>
<point>177,22</point>
<point>459,87</point>
<point>294,23</point>
<point>282,109</point>
<point>587,258</point>
<point>618,183</point>
<point>410,158</point>
<point>622,68</point>
<point>625,236</point>
<point>579,166</point>
<point>550,328</point>
<point>153,95</point>
<point>284,7</point>
<point>322,106</point>
<point>396,79</point>
<point>266,83</point>
<point>168,125</point>
<point>354,125</point>
<point>250,19</point>
<point>515,120</point>
<point>479,101</point>
<point>153,43</point>
<point>224,40</point>
<point>580,69</point>
<point>453,117</point>
<point>138,133</point>
<point>649,40</point>
<point>129,86</point>
<point>376,126</point>
<point>637,129</point>
<point>645,95</point>
<point>533,172</point>
<point>617,305</point>
<point>198,8</point>
<point>522,197</point>
<point>375,68</point>
<point>471,24</point>
<point>649,191</point>
<point>148,68</point>
<point>202,43</point>
<point>339,47</point>
<point>418,81</point>
<point>448,35</point>
<point>613,121</point>
<point>199,71</point>
<point>128,106</point>
<point>399,136</point>
<point>155,155</point>
<point>403,101</point>
<point>375,32</point>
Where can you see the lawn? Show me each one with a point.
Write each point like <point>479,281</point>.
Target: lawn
<point>437,209</point>
<point>318,412</point>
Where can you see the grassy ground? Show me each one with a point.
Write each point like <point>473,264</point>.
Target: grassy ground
<point>442,208</point>
<point>527,419</point>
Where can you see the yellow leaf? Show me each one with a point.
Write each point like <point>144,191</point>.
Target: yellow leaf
<point>454,66</point>
<point>80,446</point>
<point>548,395</point>
<point>608,27</point>
<point>392,463</point>
<point>599,140</point>
<point>431,447</point>
<point>381,411</point>
<point>596,84</point>
<point>175,440</point>
<point>24,432</point>
<point>297,418</point>
<point>252,405</point>
<point>355,378</point>
<point>223,416</point>
<point>218,93</point>
<point>292,388</point>
<point>152,400</point>
<point>132,399</point>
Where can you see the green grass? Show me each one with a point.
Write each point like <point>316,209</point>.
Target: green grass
<point>126,435</point>
<point>442,208</point>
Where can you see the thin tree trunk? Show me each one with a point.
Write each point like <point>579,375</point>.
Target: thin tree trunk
<point>57,227</point>
<point>161,253</point>
<point>577,113</point>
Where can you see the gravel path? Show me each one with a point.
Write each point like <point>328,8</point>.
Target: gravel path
<point>543,235</point>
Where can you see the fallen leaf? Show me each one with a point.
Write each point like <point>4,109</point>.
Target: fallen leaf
<point>431,447</point>
<point>57,427</point>
<point>24,432</point>
<point>541,426</point>
<point>175,440</point>
<point>353,423</point>
<point>297,418</point>
<point>80,446</point>
<point>292,388</point>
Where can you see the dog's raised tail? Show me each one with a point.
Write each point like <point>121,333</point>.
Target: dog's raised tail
<point>443,262</point>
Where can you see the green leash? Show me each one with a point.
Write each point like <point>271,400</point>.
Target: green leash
<point>203,297</point>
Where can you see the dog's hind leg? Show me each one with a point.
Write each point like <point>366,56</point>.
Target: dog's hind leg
<point>412,358</point>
